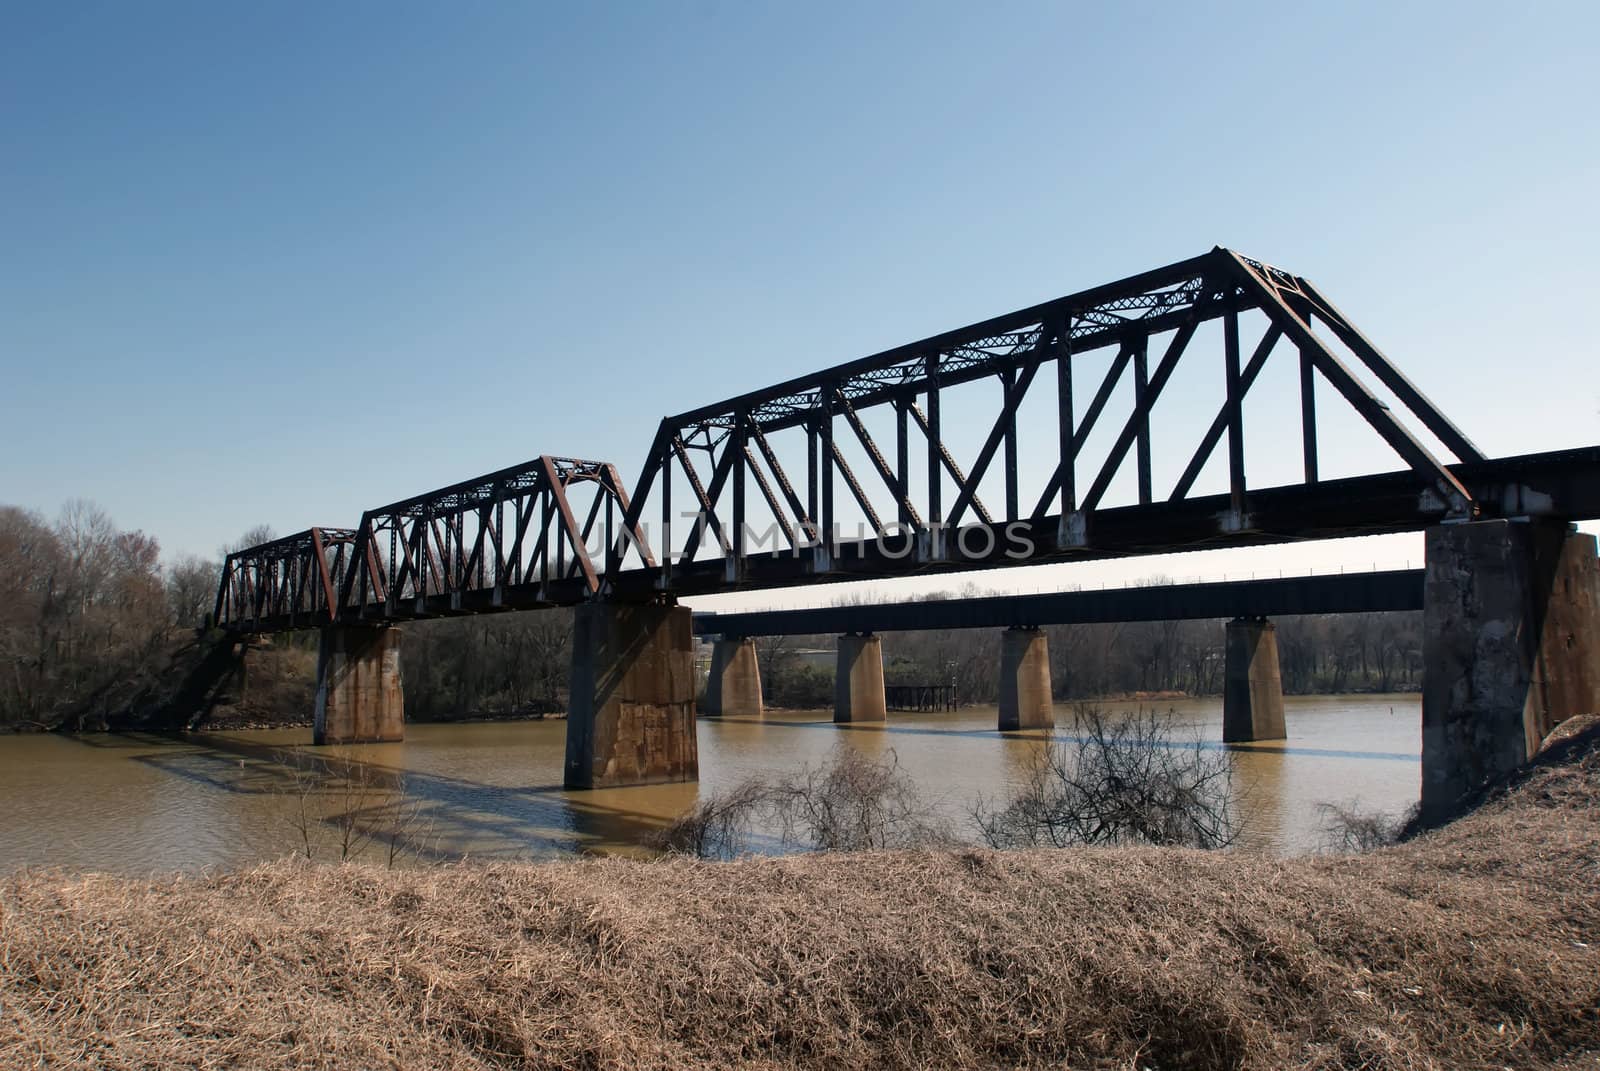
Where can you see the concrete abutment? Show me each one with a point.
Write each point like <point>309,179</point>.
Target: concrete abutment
<point>1025,681</point>
<point>1511,647</point>
<point>858,681</point>
<point>631,716</point>
<point>360,699</point>
<point>734,685</point>
<point>1252,686</point>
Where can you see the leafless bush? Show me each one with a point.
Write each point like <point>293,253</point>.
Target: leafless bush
<point>852,803</point>
<point>348,809</point>
<point>1125,780</point>
<point>849,803</point>
<point>1348,828</point>
<point>717,827</point>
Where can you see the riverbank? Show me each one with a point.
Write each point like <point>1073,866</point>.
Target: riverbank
<point>1473,946</point>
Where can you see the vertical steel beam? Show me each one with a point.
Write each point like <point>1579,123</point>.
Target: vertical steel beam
<point>902,461</point>
<point>1308,414</point>
<point>813,502</point>
<point>1141,405</point>
<point>1009,379</point>
<point>829,519</point>
<point>1068,464</point>
<point>739,450</point>
<point>1230,344</point>
<point>935,458</point>
<point>665,464</point>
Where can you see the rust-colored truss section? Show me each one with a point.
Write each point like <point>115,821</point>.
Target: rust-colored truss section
<point>527,536</point>
<point>291,582</point>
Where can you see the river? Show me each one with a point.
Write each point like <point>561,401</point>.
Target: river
<point>137,803</point>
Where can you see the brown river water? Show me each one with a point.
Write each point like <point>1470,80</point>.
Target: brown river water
<point>141,803</point>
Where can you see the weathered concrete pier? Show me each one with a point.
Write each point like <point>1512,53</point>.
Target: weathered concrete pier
<point>631,716</point>
<point>1252,687</point>
<point>360,697</point>
<point>1511,647</point>
<point>1025,701</point>
<point>858,682</point>
<point>733,686</point>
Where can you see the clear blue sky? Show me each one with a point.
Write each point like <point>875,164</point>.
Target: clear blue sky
<point>281,262</point>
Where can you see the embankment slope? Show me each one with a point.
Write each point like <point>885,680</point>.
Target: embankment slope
<point>1475,946</point>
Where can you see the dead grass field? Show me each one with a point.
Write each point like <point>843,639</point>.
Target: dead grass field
<point>1476,946</point>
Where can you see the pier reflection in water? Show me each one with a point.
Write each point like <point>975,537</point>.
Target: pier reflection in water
<point>136,803</point>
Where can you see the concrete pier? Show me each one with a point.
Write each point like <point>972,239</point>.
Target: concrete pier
<point>1252,688</point>
<point>1511,647</point>
<point>734,686</point>
<point>1025,681</point>
<point>858,682</point>
<point>359,695</point>
<point>631,716</point>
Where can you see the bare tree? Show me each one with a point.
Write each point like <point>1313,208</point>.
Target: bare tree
<point>1124,780</point>
<point>191,584</point>
<point>253,536</point>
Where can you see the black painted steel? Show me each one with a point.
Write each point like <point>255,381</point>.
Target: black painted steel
<point>1276,597</point>
<point>516,539</point>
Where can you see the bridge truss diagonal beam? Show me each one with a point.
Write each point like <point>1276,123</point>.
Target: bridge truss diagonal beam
<point>1154,325</point>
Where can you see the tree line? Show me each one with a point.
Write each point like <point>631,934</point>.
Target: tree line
<point>95,624</point>
<point>88,613</point>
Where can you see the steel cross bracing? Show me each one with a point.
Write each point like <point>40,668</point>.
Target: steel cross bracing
<point>724,453</point>
<point>294,580</point>
<point>771,481</point>
<point>513,539</point>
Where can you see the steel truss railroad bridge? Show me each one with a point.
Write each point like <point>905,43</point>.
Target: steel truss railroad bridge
<point>909,462</point>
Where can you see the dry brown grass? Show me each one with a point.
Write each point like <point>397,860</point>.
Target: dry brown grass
<point>1477,946</point>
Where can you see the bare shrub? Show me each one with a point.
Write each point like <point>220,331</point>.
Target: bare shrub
<point>349,809</point>
<point>849,803</point>
<point>852,803</point>
<point>1124,780</point>
<point>717,827</point>
<point>1348,828</point>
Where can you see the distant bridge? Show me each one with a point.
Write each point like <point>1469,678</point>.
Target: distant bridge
<point>853,473</point>
<point>1349,593</point>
